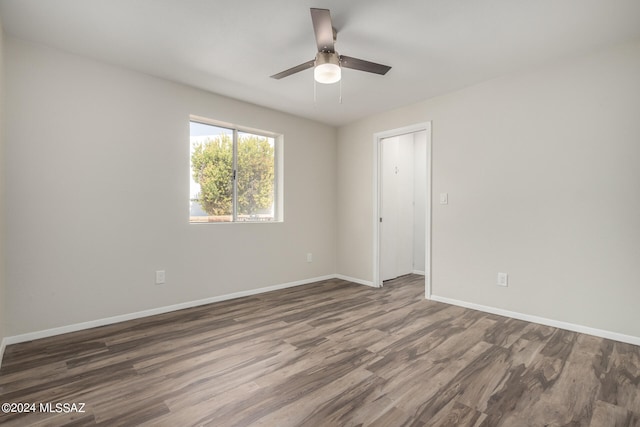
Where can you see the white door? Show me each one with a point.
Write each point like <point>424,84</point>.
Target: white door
<point>397,206</point>
<point>388,251</point>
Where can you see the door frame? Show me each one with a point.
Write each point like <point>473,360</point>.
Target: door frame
<point>377,200</point>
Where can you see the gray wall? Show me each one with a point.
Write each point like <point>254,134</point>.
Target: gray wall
<point>542,174</point>
<point>541,170</point>
<point>98,188</point>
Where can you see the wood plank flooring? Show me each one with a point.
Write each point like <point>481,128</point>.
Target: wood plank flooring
<point>330,353</point>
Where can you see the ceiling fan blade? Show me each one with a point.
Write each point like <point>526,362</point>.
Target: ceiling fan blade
<point>293,70</point>
<point>323,29</point>
<point>362,65</point>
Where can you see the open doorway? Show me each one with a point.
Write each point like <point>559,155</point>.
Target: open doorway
<point>402,203</point>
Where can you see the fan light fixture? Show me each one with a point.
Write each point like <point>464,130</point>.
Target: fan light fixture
<point>327,69</point>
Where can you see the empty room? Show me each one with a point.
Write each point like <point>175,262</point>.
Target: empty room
<point>328,213</point>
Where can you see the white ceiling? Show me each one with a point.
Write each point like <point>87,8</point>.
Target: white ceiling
<point>231,47</point>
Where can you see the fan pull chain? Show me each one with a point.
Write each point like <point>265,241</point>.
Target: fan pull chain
<point>314,91</point>
<point>340,99</point>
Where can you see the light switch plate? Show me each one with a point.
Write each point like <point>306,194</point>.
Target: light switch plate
<point>503,279</point>
<point>160,277</point>
<point>444,198</point>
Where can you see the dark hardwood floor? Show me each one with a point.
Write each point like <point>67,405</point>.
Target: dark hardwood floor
<point>326,354</point>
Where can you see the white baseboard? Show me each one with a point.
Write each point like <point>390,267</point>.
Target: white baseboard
<point>418,272</point>
<point>541,320</point>
<point>151,312</point>
<point>160,310</point>
<point>354,280</point>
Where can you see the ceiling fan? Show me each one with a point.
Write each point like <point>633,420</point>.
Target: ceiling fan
<point>328,63</point>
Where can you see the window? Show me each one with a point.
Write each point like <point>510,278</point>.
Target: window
<point>234,174</point>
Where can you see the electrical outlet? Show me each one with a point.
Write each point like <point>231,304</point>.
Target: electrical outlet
<point>503,279</point>
<point>160,277</point>
<point>309,257</point>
